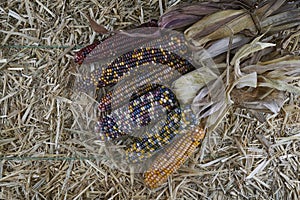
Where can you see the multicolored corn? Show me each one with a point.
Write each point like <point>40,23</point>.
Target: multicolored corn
<point>147,143</point>
<point>125,41</point>
<point>143,105</point>
<point>145,99</point>
<point>172,157</point>
<point>114,71</point>
<point>138,58</point>
<point>84,52</point>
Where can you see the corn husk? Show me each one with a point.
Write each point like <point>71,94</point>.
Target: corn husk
<point>187,86</point>
<point>180,16</point>
<point>259,88</point>
<point>256,76</point>
<point>269,17</point>
<point>219,25</point>
<point>185,14</point>
<point>221,46</point>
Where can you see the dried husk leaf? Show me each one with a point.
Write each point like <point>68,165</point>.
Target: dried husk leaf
<point>259,88</point>
<point>247,80</point>
<point>221,46</point>
<point>280,75</point>
<point>259,99</point>
<point>270,7</point>
<point>187,86</point>
<point>97,27</point>
<point>247,50</point>
<point>281,85</point>
<point>273,79</point>
<point>280,19</point>
<point>220,25</point>
<point>211,103</point>
<point>184,15</point>
<point>269,18</point>
<point>240,23</point>
<point>276,68</point>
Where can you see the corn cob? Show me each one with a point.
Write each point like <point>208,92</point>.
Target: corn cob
<point>172,157</point>
<point>149,142</point>
<point>159,51</point>
<point>84,52</point>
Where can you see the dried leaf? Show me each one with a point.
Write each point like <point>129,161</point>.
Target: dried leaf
<point>281,85</point>
<point>185,14</point>
<point>276,69</point>
<point>187,86</point>
<point>205,24</point>
<point>269,8</point>
<point>211,103</point>
<point>245,51</point>
<point>248,80</point>
<point>97,27</point>
<point>261,98</point>
<point>281,21</point>
<point>221,46</point>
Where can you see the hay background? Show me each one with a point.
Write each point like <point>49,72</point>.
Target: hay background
<point>39,144</point>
